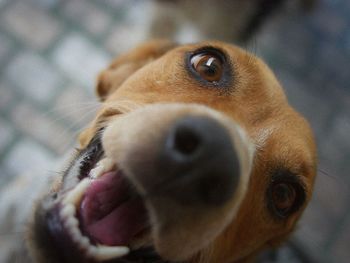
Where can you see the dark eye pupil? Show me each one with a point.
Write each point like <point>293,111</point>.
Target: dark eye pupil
<point>207,66</point>
<point>210,70</point>
<point>282,192</point>
<point>283,196</point>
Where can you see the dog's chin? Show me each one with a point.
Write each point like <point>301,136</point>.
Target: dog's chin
<point>96,216</point>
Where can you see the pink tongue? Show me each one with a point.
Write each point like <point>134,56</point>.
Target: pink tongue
<point>107,213</point>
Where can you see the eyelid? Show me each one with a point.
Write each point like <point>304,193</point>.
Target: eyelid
<point>221,54</point>
<point>286,176</point>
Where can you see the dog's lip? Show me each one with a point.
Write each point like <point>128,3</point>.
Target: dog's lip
<point>67,214</point>
<point>72,252</point>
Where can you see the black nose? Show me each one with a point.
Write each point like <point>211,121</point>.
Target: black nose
<point>200,162</point>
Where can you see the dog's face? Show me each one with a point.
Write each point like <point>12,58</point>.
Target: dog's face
<point>195,156</point>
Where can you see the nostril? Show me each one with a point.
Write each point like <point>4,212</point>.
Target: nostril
<point>186,141</point>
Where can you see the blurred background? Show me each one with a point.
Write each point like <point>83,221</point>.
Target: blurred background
<point>52,50</point>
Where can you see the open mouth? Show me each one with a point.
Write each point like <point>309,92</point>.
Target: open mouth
<point>101,217</point>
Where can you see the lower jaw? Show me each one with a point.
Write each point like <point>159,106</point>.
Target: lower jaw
<point>64,227</point>
<point>69,248</point>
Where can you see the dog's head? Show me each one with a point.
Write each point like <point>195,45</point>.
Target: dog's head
<point>195,155</point>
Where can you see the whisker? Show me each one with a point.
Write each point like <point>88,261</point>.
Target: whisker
<point>323,172</point>
<point>73,107</point>
<point>123,106</point>
<point>83,110</point>
<point>71,126</point>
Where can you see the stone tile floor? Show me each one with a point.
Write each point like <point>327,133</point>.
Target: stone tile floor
<point>51,50</point>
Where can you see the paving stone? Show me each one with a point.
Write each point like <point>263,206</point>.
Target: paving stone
<point>326,20</point>
<point>274,40</point>
<point>3,2</point>
<point>316,110</point>
<point>76,106</point>
<point>6,134</point>
<point>284,254</point>
<point>335,148</point>
<point>347,43</point>
<point>27,155</point>
<point>315,226</point>
<point>340,248</point>
<point>46,4</point>
<point>332,187</point>
<point>298,39</point>
<point>88,16</point>
<point>345,98</point>
<point>31,24</point>
<point>138,12</point>
<point>35,77</point>
<point>332,191</point>
<point>4,179</point>
<point>120,39</point>
<point>5,47</point>
<point>118,4</point>
<point>80,59</point>
<point>7,96</point>
<point>318,78</point>
<point>132,30</point>
<point>339,66</point>
<point>43,128</point>
<point>263,46</point>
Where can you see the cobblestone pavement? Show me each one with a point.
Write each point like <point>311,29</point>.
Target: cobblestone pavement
<point>51,50</point>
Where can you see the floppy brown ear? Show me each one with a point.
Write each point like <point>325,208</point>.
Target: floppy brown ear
<point>123,66</point>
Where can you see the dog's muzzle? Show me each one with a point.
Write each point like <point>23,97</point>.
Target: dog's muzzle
<point>167,177</point>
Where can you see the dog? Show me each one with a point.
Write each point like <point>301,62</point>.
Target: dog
<point>194,156</point>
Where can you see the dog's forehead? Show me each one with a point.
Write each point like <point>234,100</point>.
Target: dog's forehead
<point>168,78</point>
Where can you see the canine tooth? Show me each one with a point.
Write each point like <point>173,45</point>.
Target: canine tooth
<point>67,211</point>
<point>74,195</point>
<point>102,166</point>
<point>105,252</point>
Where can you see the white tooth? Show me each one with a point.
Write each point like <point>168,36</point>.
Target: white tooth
<point>76,235</point>
<point>71,222</point>
<point>105,252</point>
<point>67,211</point>
<point>84,242</point>
<point>92,251</point>
<point>74,196</point>
<point>102,166</point>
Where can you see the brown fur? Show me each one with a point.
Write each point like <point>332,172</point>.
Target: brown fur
<point>154,73</point>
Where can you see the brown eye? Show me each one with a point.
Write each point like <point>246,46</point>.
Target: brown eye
<point>283,197</point>
<point>286,193</point>
<point>208,66</point>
